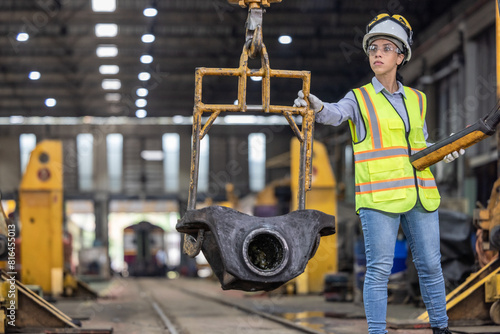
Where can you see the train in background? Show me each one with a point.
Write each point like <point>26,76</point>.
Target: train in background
<point>144,249</point>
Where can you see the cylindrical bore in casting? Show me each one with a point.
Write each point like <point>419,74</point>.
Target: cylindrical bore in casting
<point>265,252</point>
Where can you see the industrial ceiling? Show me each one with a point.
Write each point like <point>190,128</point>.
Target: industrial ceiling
<point>55,42</point>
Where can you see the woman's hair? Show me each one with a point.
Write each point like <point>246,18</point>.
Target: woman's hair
<point>399,78</point>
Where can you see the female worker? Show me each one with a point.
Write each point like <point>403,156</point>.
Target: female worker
<point>387,122</point>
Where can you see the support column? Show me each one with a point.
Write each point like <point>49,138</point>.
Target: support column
<point>101,212</point>
<point>101,191</point>
<point>10,169</point>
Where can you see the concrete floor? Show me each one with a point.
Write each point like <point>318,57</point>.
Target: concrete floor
<point>136,305</point>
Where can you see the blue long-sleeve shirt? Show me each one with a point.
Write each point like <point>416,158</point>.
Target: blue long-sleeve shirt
<point>347,108</point>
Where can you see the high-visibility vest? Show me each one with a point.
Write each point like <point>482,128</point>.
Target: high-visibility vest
<point>385,178</point>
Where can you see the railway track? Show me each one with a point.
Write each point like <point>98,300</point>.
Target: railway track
<point>190,311</point>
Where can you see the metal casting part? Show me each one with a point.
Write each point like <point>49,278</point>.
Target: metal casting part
<point>229,232</point>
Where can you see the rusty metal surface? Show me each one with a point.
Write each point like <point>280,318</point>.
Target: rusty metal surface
<point>66,331</point>
<point>253,46</point>
<point>34,311</point>
<point>239,261</point>
<point>253,3</point>
<point>467,305</point>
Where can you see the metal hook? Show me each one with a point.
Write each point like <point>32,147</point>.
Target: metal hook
<point>192,245</point>
<point>253,35</point>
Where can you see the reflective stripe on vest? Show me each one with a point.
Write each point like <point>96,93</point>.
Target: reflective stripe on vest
<point>372,115</point>
<point>385,179</point>
<point>420,97</point>
<point>406,182</point>
<point>383,153</point>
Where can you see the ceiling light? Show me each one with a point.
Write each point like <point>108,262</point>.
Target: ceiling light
<point>148,38</point>
<point>178,119</point>
<point>152,155</point>
<point>243,119</point>
<point>22,37</point>
<point>106,30</point>
<point>16,119</point>
<point>106,51</point>
<point>111,84</point>
<point>109,69</point>
<point>50,102</point>
<point>141,113</point>
<point>103,5</point>
<point>34,75</point>
<point>142,92</point>
<point>146,59</point>
<point>150,12</point>
<point>144,76</point>
<point>285,39</point>
<point>256,78</point>
<point>113,97</point>
<point>141,103</point>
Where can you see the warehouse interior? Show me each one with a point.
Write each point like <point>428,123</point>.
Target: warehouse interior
<point>96,133</point>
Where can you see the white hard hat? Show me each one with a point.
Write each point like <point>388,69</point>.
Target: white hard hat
<point>393,27</point>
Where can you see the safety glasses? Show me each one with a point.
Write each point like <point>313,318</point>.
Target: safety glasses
<point>386,49</point>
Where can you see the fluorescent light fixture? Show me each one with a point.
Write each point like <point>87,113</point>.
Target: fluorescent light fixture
<point>146,59</point>
<point>34,75</point>
<point>256,78</point>
<point>106,51</point>
<point>152,155</point>
<point>22,37</point>
<point>103,5</point>
<point>141,113</point>
<point>245,119</point>
<point>148,38</point>
<point>142,92</point>
<point>106,30</point>
<point>111,84</point>
<point>144,76</point>
<point>141,103</point>
<point>109,69</point>
<point>285,39</point>
<point>50,102</point>
<point>150,12</point>
<point>178,119</point>
<point>113,97</point>
<point>16,119</point>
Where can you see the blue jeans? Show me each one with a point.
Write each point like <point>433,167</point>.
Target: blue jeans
<point>421,229</point>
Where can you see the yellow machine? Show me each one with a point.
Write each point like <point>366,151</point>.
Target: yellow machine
<point>477,300</point>
<point>19,306</point>
<point>41,216</point>
<point>322,196</point>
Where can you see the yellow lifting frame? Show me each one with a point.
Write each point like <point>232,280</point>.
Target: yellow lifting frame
<point>254,46</point>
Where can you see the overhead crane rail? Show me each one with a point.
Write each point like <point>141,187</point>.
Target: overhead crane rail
<point>196,223</point>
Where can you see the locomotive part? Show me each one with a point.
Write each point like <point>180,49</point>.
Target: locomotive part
<point>256,253</point>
